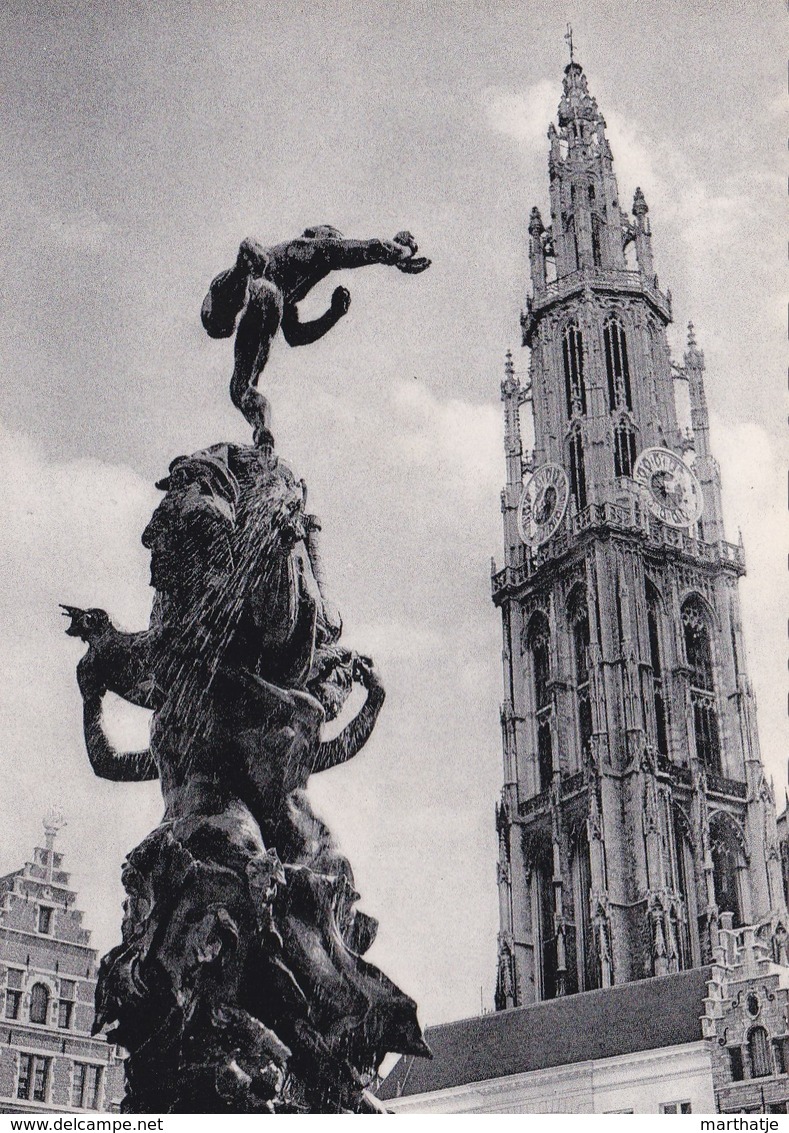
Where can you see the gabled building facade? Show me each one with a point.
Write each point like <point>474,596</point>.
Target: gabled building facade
<point>49,1061</point>
<point>635,810</point>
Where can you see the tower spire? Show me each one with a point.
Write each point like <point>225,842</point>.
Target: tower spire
<point>569,40</point>
<point>584,593</point>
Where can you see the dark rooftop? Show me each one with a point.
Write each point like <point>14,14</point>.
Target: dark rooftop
<point>645,1015</point>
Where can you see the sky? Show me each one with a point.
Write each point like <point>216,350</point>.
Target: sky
<point>138,147</point>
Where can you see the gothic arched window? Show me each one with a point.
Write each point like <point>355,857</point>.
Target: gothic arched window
<point>571,240</point>
<point>697,643</point>
<point>597,257</point>
<point>587,959</point>
<point>624,447</point>
<point>617,365</point>
<point>759,1053</point>
<point>537,641</point>
<point>698,651</point>
<point>39,1003</point>
<point>684,884</point>
<point>577,469</point>
<point>727,860</point>
<point>573,358</point>
<point>543,875</point>
<point>658,694</point>
<point>579,626</point>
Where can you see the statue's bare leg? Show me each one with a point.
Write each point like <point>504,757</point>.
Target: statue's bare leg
<point>256,330</point>
<point>223,302</point>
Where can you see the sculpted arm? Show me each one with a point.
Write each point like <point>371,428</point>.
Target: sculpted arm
<point>400,251</point>
<point>355,735</point>
<point>335,253</point>
<point>107,763</point>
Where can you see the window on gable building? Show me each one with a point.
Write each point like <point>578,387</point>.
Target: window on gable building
<point>86,1088</point>
<point>39,1003</point>
<point>45,919</point>
<point>33,1080</point>
<point>13,994</point>
<point>66,1003</point>
<point>735,1063</point>
<point>781,1055</point>
<point>759,1053</point>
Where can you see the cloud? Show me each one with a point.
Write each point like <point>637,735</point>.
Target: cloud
<point>457,439</point>
<point>401,641</point>
<point>83,230</point>
<point>705,219</point>
<point>73,529</point>
<point>72,229</point>
<point>754,485</point>
<point>523,116</point>
<point>70,534</point>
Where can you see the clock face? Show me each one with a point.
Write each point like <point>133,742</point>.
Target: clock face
<point>673,493</point>
<point>543,504</point>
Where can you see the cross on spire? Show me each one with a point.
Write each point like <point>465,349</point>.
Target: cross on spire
<point>569,40</point>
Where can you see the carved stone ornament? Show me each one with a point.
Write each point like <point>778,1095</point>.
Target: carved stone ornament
<point>542,504</point>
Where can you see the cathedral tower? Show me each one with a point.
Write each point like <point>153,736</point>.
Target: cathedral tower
<point>635,812</point>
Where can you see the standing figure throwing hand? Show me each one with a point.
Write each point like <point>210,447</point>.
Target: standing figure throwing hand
<point>266,284</point>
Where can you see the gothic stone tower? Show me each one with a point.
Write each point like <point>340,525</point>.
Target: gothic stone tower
<point>635,811</point>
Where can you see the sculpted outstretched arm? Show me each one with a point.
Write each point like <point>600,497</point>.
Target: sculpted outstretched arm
<point>355,735</point>
<point>400,251</point>
<point>107,763</point>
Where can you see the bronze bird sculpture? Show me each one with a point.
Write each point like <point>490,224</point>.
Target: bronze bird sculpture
<point>117,661</point>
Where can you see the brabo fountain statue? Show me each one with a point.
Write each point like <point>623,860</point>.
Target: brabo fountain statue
<point>240,984</point>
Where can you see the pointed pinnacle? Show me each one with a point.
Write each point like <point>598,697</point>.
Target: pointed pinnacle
<point>691,335</point>
<point>640,206</point>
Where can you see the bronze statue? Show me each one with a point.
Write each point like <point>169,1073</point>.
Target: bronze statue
<point>241,933</point>
<point>240,984</point>
<point>266,284</point>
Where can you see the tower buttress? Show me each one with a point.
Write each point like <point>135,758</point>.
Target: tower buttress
<point>643,239</point>
<point>705,465</point>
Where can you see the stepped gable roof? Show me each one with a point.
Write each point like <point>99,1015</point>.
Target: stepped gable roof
<point>644,1015</point>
